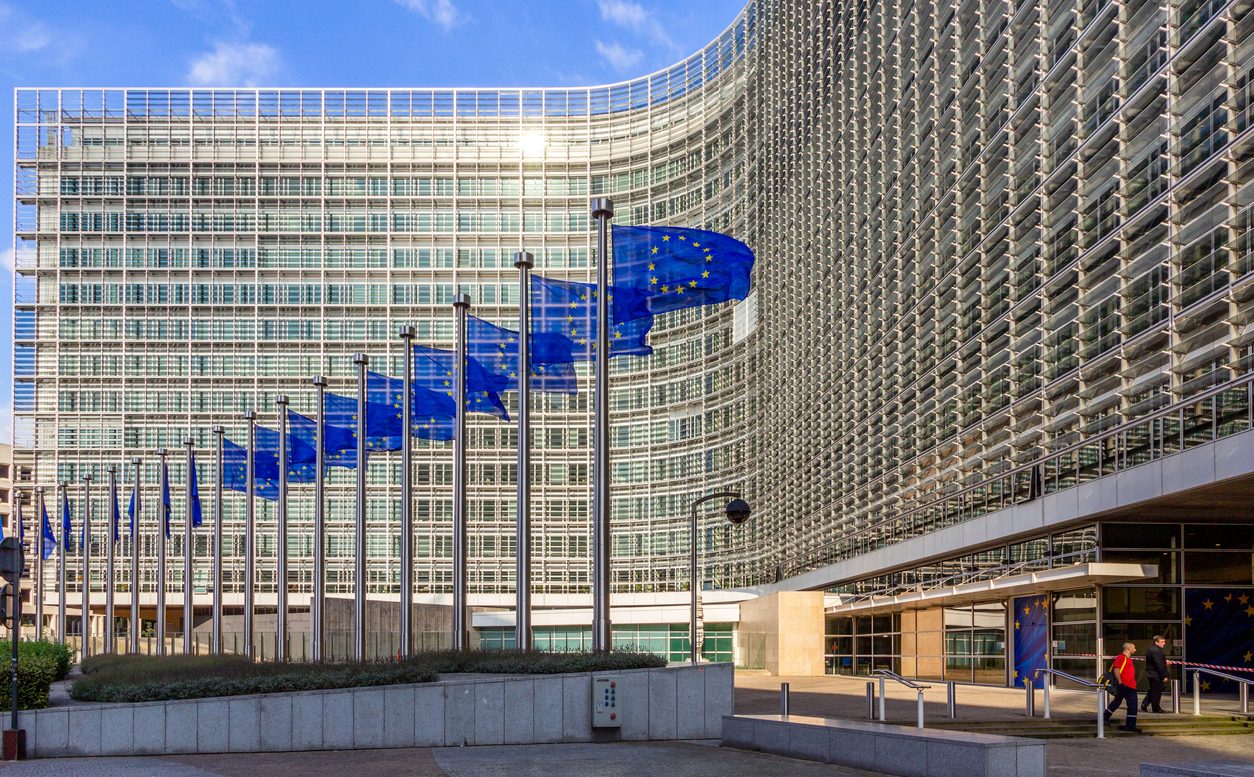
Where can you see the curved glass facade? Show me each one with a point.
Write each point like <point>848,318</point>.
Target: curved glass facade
<point>987,231</point>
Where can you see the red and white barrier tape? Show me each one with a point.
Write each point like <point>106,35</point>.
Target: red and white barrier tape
<point>1185,664</point>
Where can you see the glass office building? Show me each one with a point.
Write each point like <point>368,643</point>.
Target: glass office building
<point>1004,261</point>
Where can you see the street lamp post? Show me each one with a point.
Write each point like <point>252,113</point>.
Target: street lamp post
<point>737,513</point>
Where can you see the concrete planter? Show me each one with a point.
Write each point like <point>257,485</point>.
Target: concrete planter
<point>671,703</point>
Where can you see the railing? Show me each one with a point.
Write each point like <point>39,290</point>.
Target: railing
<point>885,674</point>
<point>1243,688</point>
<point>1101,696</point>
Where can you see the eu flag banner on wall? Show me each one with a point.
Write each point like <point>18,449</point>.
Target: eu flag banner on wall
<point>49,540</point>
<point>496,349</point>
<point>235,473</point>
<point>383,429</point>
<point>300,457</point>
<point>339,446</point>
<point>1219,629</point>
<point>569,309</point>
<point>1031,619</point>
<point>431,411</point>
<point>677,268</point>
<point>433,370</point>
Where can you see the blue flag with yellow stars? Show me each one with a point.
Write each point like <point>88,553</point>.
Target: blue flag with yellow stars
<point>49,540</point>
<point>115,512</point>
<point>235,473</point>
<point>496,349</point>
<point>1219,630</point>
<point>165,499</point>
<point>677,268</point>
<point>300,457</point>
<point>133,507</point>
<point>1031,619</point>
<point>383,427</point>
<point>339,445</point>
<point>66,529</point>
<point>569,309</point>
<point>431,411</point>
<point>433,371</point>
<point>193,490</point>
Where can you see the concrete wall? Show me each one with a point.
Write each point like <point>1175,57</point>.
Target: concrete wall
<point>790,623</point>
<point>672,703</point>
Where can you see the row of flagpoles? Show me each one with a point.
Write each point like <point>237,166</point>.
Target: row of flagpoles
<point>656,270</point>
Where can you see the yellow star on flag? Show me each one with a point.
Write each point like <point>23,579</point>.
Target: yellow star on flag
<point>653,281</point>
<point>1250,611</point>
<point>651,267</point>
<point>1016,624</point>
<point>679,289</point>
<point>693,284</point>
<point>1208,604</point>
<point>655,249</point>
<point>666,238</point>
<point>1249,656</point>
<point>665,289</point>
<point>705,274</point>
<point>1243,599</point>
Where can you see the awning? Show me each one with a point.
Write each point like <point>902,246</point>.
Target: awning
<point>1057,579</point>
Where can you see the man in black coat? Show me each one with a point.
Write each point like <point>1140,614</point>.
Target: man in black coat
<point>1156,671</point>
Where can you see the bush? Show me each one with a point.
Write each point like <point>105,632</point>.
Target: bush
<point>35,675</point>
<point>135,678</point>
<point>60,655</point>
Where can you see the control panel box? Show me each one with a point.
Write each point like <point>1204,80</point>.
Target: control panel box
<point>605,710</point>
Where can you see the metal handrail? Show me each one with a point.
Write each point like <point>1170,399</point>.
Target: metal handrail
<point>1097,686</point>
<point>889,674</point>
<point>1243,691</point>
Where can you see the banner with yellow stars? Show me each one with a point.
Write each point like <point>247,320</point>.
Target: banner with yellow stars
<point>1031,626</point>
<point>1219,629</point>
<point>676,268</point>
<point>569,309</point>
<point>496,349</point>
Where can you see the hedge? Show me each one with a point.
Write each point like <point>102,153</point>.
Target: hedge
<point>60,655</point>
<point>35,675</point>
<point>135,678</point>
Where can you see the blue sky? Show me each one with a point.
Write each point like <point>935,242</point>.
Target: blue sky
<point>326,43</point>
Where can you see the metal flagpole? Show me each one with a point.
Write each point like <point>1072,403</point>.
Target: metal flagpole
<point>359,564</point>
<point>187,552</point>
<point>319,540</point>
<point>110,641</point>
<point>522,609</point>
<point>408,333</point>
<point>461,305</point>
<point>39,565</point>
<point>250,532</point>
<point>280,574</point>
<point>135,542</point>
<point>61,568</point>
<point>162,479</point>
<point>602,211</point>
<point>85,581</point>
<point>216,647</point>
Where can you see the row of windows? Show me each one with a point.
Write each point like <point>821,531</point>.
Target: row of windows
<point>317,221</point>
<point>313,257</point>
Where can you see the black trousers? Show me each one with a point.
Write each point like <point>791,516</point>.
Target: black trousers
<point>1123,694</point>
<point>1154,697</point>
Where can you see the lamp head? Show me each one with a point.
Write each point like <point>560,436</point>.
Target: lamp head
<point>738,511</point>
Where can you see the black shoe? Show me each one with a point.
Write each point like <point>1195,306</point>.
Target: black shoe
<point>1160,712</point>
<point>1145,709</point>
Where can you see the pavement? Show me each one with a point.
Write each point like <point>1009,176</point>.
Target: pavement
<point>620,759</point>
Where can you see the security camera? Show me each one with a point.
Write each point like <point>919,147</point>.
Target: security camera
<point>737,511</point>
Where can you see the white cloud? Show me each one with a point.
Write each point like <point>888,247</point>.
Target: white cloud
<point>235,64</point>
<point>618,56</point>
<point>442,12</point>
<point>7,258</point>
<point>6,423</point>
<point>631,15</point>
<point>21,34</point>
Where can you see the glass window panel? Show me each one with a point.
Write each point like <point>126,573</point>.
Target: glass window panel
<point>1222,567</point>
<point>1147,603</point>
<point>1075,605</point>
<point>1225,536</point>
<point>1140,535</point>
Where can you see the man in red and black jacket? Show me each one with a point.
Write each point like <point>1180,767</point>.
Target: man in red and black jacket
<point>1125,691</point>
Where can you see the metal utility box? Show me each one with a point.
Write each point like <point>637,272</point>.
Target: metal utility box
<point>605,711</point>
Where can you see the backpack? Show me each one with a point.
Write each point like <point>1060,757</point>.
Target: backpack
<point>1111,680</point>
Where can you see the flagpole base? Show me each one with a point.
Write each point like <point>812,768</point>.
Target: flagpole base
<point>15,744</point>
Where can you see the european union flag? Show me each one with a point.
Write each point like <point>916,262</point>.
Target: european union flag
<point>132,509</point>
<point>677,268</point>
<point>339,446</point>
<point>49,539</point>
<point>193,490</point>
<point>569,309</point>
<point>433,370</point>
<point>496,349</point>
<point>300,457</point>
<point>66,539</point>
<point>166,509</point>
<point>431,411</point>
<point>115,512</point>
<point>383,424</point>
<point>235,473</point>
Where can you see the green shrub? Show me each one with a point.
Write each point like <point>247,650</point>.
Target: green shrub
<point>35,675</point>
<point>60,655</point>
<point>135,678</point>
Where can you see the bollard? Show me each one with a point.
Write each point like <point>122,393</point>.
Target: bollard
<point>1197,693</point>
<point>870,700</point>
<point>783,699</point>
<point>882,716</point>
<point>1045,693</point>
<point>1101,713</point>
<point>951,700</point>
<point>920,710</point>
<point>1175,696</point>
<point>1245,699</point>
<point>1031,698</point>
